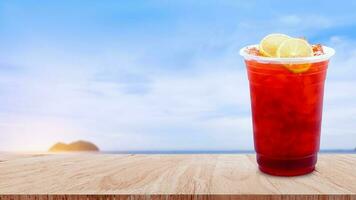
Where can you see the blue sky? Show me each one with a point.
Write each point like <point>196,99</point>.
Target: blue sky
<point>156,75</point>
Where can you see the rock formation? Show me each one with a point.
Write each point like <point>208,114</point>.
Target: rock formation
<point>74,146</point>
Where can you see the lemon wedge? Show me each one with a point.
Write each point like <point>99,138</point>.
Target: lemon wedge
<point>269,44</point>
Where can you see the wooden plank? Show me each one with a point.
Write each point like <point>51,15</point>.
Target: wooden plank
<point>171,177</point>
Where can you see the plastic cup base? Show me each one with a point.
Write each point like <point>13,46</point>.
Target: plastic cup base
<point>287,167</point>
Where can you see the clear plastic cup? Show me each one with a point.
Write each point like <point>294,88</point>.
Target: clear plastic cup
<point>286,110</point>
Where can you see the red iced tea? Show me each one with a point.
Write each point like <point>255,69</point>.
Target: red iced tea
<point>286,78</point>
<point>287,113</point>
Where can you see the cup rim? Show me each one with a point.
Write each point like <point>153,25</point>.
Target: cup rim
<point>328,53</point>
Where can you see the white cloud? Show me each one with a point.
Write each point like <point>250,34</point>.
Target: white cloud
<point>291,20</point>
<point>305,21</point>
<point>339,130</point>
<point>20,133</point>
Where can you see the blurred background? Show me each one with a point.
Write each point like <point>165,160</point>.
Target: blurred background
<point>157,75</point>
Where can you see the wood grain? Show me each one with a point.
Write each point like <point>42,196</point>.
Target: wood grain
<point>106,176</point>
<point>177,197</point>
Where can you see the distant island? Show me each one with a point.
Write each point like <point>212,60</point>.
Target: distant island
<point>74,146</point>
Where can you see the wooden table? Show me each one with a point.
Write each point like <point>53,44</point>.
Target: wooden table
<point>217,176</point>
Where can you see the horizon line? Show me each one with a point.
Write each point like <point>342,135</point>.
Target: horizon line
<point>176,151</point>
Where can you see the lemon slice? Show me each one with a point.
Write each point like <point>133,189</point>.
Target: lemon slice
<point>269,44</point>
<point>295,48</point>
<point>298,68</point>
